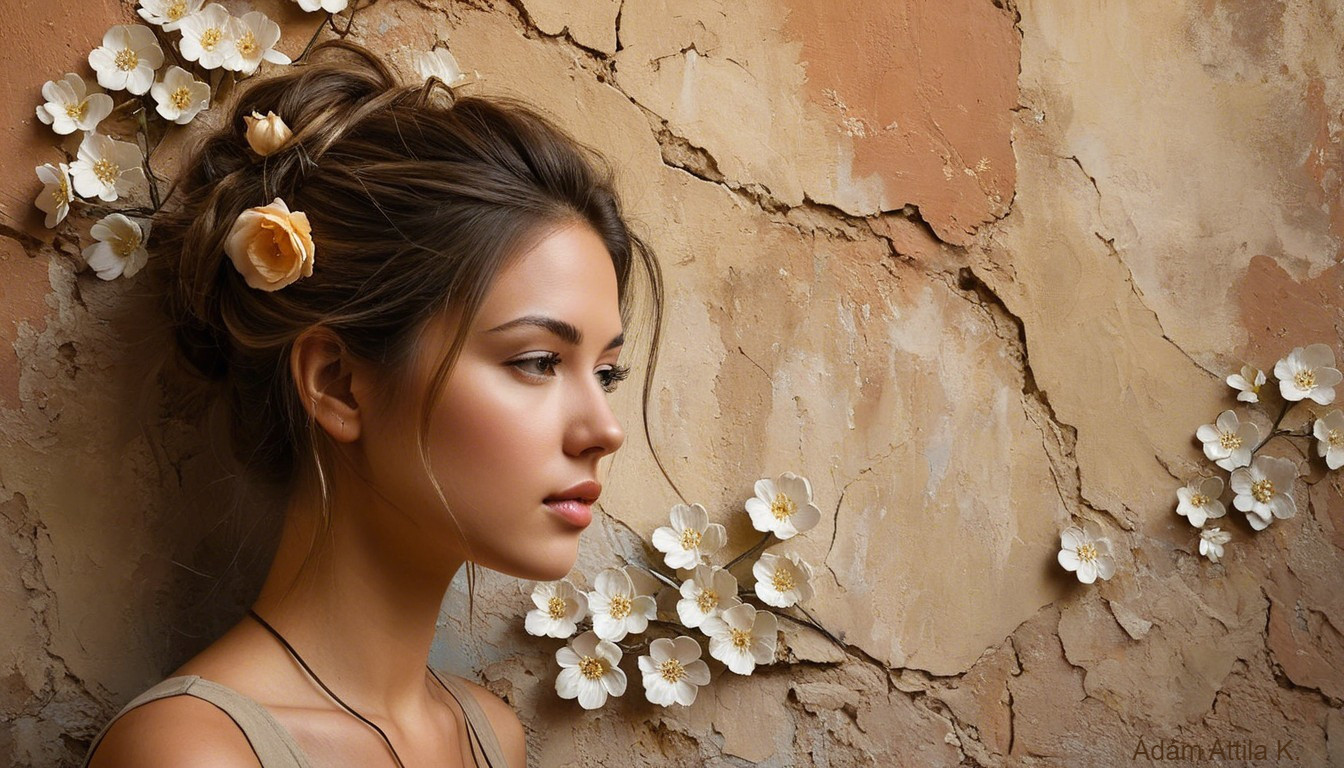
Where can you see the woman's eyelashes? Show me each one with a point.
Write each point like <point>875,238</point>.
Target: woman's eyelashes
<point>543,367</point>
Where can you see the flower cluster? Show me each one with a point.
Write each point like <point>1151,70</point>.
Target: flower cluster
<point>165,67</point>
<point>741,635</point>
<point>1262,486</point>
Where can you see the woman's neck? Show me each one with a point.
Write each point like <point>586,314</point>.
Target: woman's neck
<point>358,604</point>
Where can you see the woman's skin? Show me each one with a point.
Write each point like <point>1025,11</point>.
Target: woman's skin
<point>509,431</point>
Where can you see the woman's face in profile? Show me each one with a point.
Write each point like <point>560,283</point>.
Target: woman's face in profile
<point>524,415</point>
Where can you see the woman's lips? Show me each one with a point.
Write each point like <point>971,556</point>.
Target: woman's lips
<point>573,511</point>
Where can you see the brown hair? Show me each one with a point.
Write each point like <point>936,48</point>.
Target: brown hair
<point>416,198</point>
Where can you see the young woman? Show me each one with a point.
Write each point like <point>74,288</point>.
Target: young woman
<point>413,309</point>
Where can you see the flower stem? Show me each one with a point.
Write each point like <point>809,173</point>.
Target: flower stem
<point>1282,412</point>
<point>754,548</point>
<point>313,39</point>
<point>149,171</point>
<point>659,576</point>
<point>814,624</point>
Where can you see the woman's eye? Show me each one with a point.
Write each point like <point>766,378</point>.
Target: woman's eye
<point>612,376</point>
<point>545,363</point>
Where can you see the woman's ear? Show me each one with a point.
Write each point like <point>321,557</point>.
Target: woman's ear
<point>324,372</point>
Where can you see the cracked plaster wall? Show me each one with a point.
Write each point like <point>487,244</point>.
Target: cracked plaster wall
<point>976,268</point>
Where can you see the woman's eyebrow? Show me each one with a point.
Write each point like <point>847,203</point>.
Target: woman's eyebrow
<point>566,331</point>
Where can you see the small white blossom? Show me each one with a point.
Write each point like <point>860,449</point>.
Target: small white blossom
<point>207,36</point>
<point>1198,501</point>
<point>54,200</point>
<point>71,107</point>
<point>441,64</point>
<point>1265,491</point>
<point>618,608</point>
<point>560,607</point>
<point>330,6</point>
<point>1211,543</point>
<point>706,594</point>
<point>782,581</point>
<point>742,637</point>
<point>1329,433</point>
<point>690,538</point>
<point>106,168</point>
<point>254,37</point>
<point>1308,373</point>
<point>127,58</point>
<point>167,14</point>
<point>1247,383</point>
<point>1087,552</point>
<point>1229,441</point>
<point>180,96</point>
<point>120,247</point>
<point>589,671</point>
<point>673,671</point>
<point>783,506</point>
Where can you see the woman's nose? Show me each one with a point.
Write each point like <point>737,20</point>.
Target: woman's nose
<point>595,428</point>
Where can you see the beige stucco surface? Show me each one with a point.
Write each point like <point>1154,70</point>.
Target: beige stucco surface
<point>975,268</point>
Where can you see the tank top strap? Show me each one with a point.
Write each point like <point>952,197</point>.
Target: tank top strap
<point>273,745</point>
<point>478,723</point>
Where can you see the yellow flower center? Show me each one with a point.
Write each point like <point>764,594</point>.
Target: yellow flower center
<point>555,607</point>
<point>181,97</point>
<point>61,192</point>
<point>1305,379</point>
<point>690,538</point>
<point>706,600</point>
<point>77,111</point>
<point>1335,438</point>
<point>1199,500</point>
<point>127,59</point>
<point>620,607</point>
<point>741,640</point>
<point>1230,441</point>
<point>782,580</point>
<point>125,247</point>
<point>671,670</point>
<point>211,37</point>
<point>592,667</point>
<point>1262,490</point>
<point>247,44</point>
<point>782,507</point>
<point>1087,553</point>
<point>177,10</point>
<point>106,171</point>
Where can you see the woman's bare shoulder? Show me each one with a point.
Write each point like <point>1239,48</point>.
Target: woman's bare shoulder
<point>504,721</point>
<point>181,731</point>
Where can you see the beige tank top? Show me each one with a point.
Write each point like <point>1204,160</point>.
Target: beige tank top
<point>274,746</point>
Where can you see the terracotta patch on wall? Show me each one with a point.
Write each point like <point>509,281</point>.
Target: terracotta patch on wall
<point>1279,313</point>
<point>926,91</point>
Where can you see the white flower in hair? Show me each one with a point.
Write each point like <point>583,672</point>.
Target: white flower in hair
<point>782,581</point>
<point>120,247</point>
<point>1329,433</point>
<point>589,671</point>
<point>618,608</point>
<point>106,168</point>
<point>330,6</point>
<point>706,595</point>
<point>1308,373</point>
<point>1229,440</point>
<point>690,538</point>
<point>1211,543</point>
<point>180,96</point>
<point>1198,501</point>
<point>207,36</point>
<point>783,506</point>
<point>54,200</point>
<point>673,671</point>
<point>441,64</point>
<point>560,607</point>
<point>1247,383</point>
<point>127,58</point>
<point>71,107</point>
<point>742,637</point>
<point>167,14</point>
<point>254,37</point>
<point>1265,490</point>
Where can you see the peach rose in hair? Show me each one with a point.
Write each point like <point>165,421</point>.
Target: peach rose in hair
<point>266,134</point>
<point>271,246</point>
